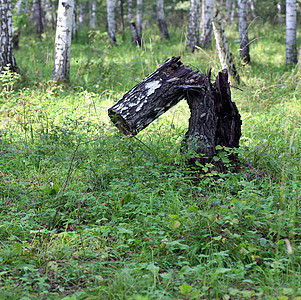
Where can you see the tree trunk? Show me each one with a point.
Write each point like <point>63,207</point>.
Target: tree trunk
<point>214,119</point>
<point>37,6</point>
<point>122,19</point>
<point>149,99</point>
<point>193,38</point>
<point>61,68</point>
<point>111,20</point>
<point>206,37</point>
<point>92,14</point>
<point>243,30</point>
<point>74,21</point>
<point>6,37</point>
<point>161,20</point>
<point>228,10</point>
<point>81,14</point>
<point>291,23</point>
<point>139,18</point>
<point>252,6</point>
<point>223,49</point>
<point>135,37</point>
<point>233,11</point>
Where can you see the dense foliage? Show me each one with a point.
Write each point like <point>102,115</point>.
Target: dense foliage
<point>87,213</point>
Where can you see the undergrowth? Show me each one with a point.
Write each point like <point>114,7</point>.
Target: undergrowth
<point>87,213</point>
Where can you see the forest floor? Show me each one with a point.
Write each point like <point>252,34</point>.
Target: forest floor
<point>87,213</point>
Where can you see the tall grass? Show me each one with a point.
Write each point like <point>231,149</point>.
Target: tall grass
<point>87,213</point>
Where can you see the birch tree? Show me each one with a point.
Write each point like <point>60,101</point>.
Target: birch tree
<point>111,20</point>
<point>206,37</point>
<point>81,14</point>
<point>223,49</point>
<point>38,11</point>
<point>139,18</point>
<point>61,68</point>
<point>161,19</point>
<point>6,37</point>
<point>193,38</point>
<point>243,30</point>
<point>92,14</point>
<point>252,6</point>
<point>228,9</point>
<point>291,23</point>
<point>135,37</point>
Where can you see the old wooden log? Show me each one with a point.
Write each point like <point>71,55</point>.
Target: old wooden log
<point>214,119</point>
<point>153,96</point>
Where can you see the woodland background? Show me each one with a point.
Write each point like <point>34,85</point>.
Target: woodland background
<point>87,213</point>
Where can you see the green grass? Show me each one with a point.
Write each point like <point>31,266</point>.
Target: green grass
<point>87,213</point>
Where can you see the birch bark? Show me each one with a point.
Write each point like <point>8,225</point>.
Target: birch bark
<point>61,68</point>
<point>206,37</point>
<point>291,23</point>
<point>243,30</point>
<point>92,14</point>
<point>162,20</point>
<point>223,49</point>
<point>111,20</point>
<point>6,37</point>
<point>228,9</point>
<point>139,17</point>
<point>252,6</point>
<point>193,38</point>
<point>135,37</point>
<point>81,14</point>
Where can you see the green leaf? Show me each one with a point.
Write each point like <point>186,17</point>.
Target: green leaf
<point>174,224</point>
<point>185,289</point>
<point>153,268</point>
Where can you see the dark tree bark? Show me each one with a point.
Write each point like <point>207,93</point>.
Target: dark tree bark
<point>214,119</point>
<point>153,96</point>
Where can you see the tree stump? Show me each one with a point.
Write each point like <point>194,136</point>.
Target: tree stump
<point>214,119</point>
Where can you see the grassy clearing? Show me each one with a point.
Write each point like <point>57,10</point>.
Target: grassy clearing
<point>89,214</point>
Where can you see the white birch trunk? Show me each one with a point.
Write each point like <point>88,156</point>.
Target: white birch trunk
<point>299,64</point>
<point>111,20</point>
<point>202,14</point>
<point>162,20</point>
<point>139,17</point>
<point>74,21</point>
<point>81,14</point>
<point>193,38</point>
<point>223,49</point>
<point>252,6</point>
<point>135,37</point>
<point>233,11</point>
<point>92,14</point>
<point>6,37</point>
<point>206,37</point>
<point>61,68</point>
<point>228,9</point>
<point>291,23</point>
<point>243,30</point>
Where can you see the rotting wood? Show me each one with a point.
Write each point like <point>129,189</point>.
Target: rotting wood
<point>153,96</point>
<point>214,119</point>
